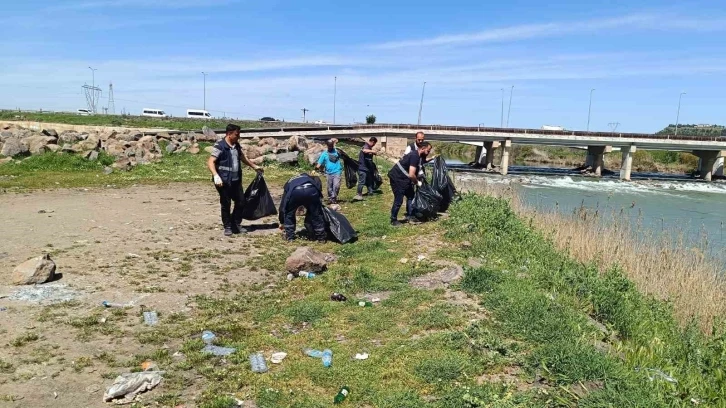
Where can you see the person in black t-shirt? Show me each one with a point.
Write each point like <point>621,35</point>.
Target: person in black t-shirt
<point>403,176</point>
<point>365,171</point>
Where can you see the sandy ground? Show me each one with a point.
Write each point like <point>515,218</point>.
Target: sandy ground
<point>151,245</point>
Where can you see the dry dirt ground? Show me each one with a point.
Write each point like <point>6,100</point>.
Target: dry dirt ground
<point>155,246</point>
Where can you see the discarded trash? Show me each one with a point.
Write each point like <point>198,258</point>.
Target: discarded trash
<point>109,304</point>
<point>338,297</point>
<point>151,318</point>
<point>278,357</point>
<point>308,275</point>
<point>132,255</point>
<point>342,395</point>
<point>129,384</point>
<point>218,351</point>
<point>403,260</point>
<point>47,293</point>
<point>313,353</point>
<point>149,366</point>
<point>327,358</point>
<point>361,356</point>
<point>654,373</point>
<point>421,258</point>
<point>365,303</point>
<point>257,361</point>
<point>2,309</point>
<point>208,337</point>
<point>375,300</point>
<point>290,276</point>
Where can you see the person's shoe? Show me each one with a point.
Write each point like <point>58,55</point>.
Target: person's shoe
<point>228,232</point>
<point>289,239</point>
<point>396,223</point>
<point>413,220</point>
<point>358,197</point>
<point>240,230</point>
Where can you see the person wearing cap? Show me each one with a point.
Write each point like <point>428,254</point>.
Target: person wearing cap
<point>302,191</point>
<point>330,161</point>
<point>224,164</point>
<point>404,176</point>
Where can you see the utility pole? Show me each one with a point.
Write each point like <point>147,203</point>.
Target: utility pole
<point>613,126</point>
<point>678,115</point>
<point>509,110</point>
<point>335,94</point>
<point>205,90</point>
<point>111,103</point>
<point>589,109</point>
<point>420,106</point>
<point>501,121</point>
<point>305,111</point>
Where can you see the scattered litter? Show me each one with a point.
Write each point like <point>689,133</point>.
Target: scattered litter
<point>338,297</point>
<point>106,303</point>
<point>384,237</point>
<point>46,212</point>
<point>151,318</point>
<point>49,292</point>
<point>361,356</point>
<point>365,303</point>
<point>290,276</point>
<point>375,300</point>
<point>327,358</point>
<point>218,351</point>
<point>178,354</point>
<point>129,384</point>
<point>208,337</point>
<point>132,255</point>
<point>278,357</point>
<point>308,275</point>
<point>102,320</point>
<point>421,258</point>
<point>257,361</point>
<point>55,395</point>
<point>342,395</point>
<point>403,260</point>
<point>149,366</point>
<point>313,353</point>
<point>654,373</point>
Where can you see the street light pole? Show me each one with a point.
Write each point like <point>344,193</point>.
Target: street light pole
<point>678,115</point>
<point>589,109</point>
<point>335,95</point>
<point>420,106</point>
<point>509,110</point>
<point>501,121</point>
<point>205,90</point>
<point>93,89</point>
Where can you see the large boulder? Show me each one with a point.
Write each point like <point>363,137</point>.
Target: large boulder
<point>170,148</point>
<point>287,158</point>
<point>128,137</point>
<point>308,260</point>
<point>105,136</point>
<point>209,149</point>
<point>38,144</point>
<point>13,147</point>
<point>268,141</point>
<point>69,136</point>
<point>252,152</point>
<point>5,135</point>
<point>114,148</point>
<point>297,143</point>
<point>50,132</point>
<point>92,142</point>
<point>123,164</point>
<point>193,149</point>
<point>313,153</point>
<point>33,271</point>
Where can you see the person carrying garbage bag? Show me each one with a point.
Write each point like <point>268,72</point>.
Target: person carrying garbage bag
<point>332,164</point>
<point>403,177</point>
<point>302,191</point>
<point>367,169</point>
<point>225,165</point>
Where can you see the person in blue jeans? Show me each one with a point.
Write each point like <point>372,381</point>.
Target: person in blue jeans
<point>330,160</point>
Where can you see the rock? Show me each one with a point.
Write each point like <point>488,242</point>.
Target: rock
<point>53,148</point>
<point>6,160</point>
<point>309,260</point>
<point>440,279</point>
<point>67,148</point>
<point>297,143</point>
<point>466,244</point>
<point>257,160</point>
<point>123,164</point>
<point>92,155</point>
<point>104,136</point>
<point>147,139</point>
<point>68,137</point>
<point>128,137</point>
<point>194,149</point>
<point>269,157</point>
<point>92,142</point>
<point>287,158</point>
<point>163,135</point>
<point>13,147</point>
<point>313,153</point>
<point>268,141</point>
<point>252,152</point>
<point>107,170</point>
<point>50,132</point>
<point>115,148</point>
<point>34,271</point>
<point>170,148</point>
<point>37,144</point>
<point>185,143</point>
<point>208,149</point>
<point>5,135</point>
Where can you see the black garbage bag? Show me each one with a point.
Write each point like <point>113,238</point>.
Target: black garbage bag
<point>426,202</point>
<point>351,167</point>
<point>377,179</point>
<point>442,183</point>
<point>336,225</point>
<point>258,201</point>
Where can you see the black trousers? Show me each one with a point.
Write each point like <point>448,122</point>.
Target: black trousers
<point>401,187</point>
<point>229,193</point>
<point>311,200</point>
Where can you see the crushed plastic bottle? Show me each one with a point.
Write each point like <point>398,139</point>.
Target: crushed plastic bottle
<point>342,395</point>
<point>313,353</point>
<point>327,358</point>
<point>338,297</point>
<point>208,337</point>
<point>308,275</point>
<point>257,361</point>
<point>151,318</point>
<point>365,303</point>
<point>106,303</point>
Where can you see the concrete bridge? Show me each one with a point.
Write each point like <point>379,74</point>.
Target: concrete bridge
<point>709,149</point>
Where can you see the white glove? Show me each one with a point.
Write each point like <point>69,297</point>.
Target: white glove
<point>420,184</point>
<point>217,180</point>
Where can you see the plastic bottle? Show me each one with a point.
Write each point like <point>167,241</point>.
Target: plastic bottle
<point>342,395</point>
<point>327,358</point>
<point>308,275</point>
<point>313,353</point>
<point>208,337</point>
<point>106,303</point>
<point>365,303</point>
<point>257,361</point>
<point>338,297</point>
<point>151,318</point>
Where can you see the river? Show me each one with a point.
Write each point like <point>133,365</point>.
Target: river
<point>682,208</point>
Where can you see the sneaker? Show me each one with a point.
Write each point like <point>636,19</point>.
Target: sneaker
<point>396,223</point>
<point>413,220</point>
<point>228,232</point>
<point>358,197</point>
<point>240,230</point>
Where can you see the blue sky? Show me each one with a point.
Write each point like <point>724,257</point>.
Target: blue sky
<point>274,58</point>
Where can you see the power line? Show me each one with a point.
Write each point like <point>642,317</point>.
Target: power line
<point>111,103</point>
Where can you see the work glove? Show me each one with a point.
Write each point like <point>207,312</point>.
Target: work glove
<point>218,180</point>
<point>419,184</point>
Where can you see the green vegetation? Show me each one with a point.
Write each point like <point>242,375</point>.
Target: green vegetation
<point>694,130</point>
<point>371,119</point>
<point>138,121</point>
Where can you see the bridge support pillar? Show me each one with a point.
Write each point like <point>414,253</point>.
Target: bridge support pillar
<point>627,164</point>
<point>485,155</point>
<point>506,147</point>
<point>596,156</point>
<point>706,163</point>
<point>718,167</point>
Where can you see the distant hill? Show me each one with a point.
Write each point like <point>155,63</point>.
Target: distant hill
<point>695,130</point>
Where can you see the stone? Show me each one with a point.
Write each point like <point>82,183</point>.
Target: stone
<point>53,148</point>
<point>279,149</point>
<point>252,152</point>
<point>123,164</point>
<point>313,153</point>
<point>193,149</point>
<point>5,135</point>
<point>104,136</point>
<point>13,147</point>
<point>309,260</point>
<point>107,170</point>
<point>92,155</point>
<point>287,158</point>
<point>269,157</point>
<point>297,143</point>
<point>209,149</point>
<point>466,244</point>
<point>257,160</point>
<point>115,148</point>
<point>440,279</point>
<point>67,148</point>
<point>268,141</point>
<point>92,142</point>
<point>163,135</point>
<point>6,160</point>
<point>170,148</point>
<point>147,139</point>
<point>128,137</point>
<point>34,271</point>
<point>37,144</point>
<point>50,132</point>
<point>68,137</point>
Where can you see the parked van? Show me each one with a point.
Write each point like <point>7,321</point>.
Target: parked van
<point>84,112</point>
<point>198,113</point>
<point>154,113</point>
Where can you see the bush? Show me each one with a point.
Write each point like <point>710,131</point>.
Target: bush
<point>371,119</point>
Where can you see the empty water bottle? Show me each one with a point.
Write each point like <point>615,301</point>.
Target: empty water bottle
<point>257,361</point>
<point>106,303</point>
<point>342,395</point>
<point>327,358</point>
<point>208,337</point>
<point>308,275</point>
<point>313,353</point>
<point>365,303</point>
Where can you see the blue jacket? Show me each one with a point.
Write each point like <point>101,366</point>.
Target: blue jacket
<point>296,181</point>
